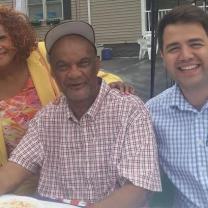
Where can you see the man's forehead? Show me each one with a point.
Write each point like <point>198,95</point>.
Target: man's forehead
<point>71,52</point>
<point>179,25</point>
<point>183,30</point>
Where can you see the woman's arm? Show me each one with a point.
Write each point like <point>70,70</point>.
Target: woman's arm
<point>11,175</point>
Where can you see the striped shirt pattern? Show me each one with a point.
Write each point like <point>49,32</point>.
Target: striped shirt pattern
<point>90,158</point>
<point>182,137</point>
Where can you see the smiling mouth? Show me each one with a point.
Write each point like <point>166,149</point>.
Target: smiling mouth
<point>76,86</point>
<point>189,68</point>
<point>2,53</point>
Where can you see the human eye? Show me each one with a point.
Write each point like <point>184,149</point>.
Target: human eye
<point>2,37</point>
<point>61,66</point>
<point>84,63</point>
<point>197,45</point>
<point>173,49</point>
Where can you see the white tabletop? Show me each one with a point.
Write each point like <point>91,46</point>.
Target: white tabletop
<point>39,203</point>
<point>47,204</point>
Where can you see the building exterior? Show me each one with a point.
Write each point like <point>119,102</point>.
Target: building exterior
<point>7,2</point>
<point>117,22</point>
<point>114,21</point>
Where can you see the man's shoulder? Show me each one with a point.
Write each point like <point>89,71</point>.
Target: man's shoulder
<point>52,109</point>
<point>121,98</point>
<point>116,96</point>
<point>125,104</point>
<point>162,99</point>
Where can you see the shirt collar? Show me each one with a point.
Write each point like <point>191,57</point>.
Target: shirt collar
<point>179,101</point>
<point>104,89</point>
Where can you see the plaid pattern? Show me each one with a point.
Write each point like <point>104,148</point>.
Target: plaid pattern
<point>182,135</point>
<point>90,158</point>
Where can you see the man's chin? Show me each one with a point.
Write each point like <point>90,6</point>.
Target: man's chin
<point>76,97</point>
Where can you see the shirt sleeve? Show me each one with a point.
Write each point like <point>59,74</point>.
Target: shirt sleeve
<point>139,159</point>
<point>29,152</point>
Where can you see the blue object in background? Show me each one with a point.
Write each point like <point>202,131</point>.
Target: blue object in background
<point>106,54</point>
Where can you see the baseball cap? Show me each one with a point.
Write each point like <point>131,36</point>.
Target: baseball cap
<point>69,28</point>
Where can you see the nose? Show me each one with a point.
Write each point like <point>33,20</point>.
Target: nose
<point>73,72</point>
<point>186,53</point>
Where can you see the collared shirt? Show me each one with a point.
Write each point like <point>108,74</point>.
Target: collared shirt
<point>90,158</point>
<point>182,137</point>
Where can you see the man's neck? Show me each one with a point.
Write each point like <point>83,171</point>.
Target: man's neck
<point>79,108</point>
<point>196,97</point>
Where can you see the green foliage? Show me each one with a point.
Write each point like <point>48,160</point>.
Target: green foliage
<point>35,22</point>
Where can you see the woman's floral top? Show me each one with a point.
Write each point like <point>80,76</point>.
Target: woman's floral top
<point>16,112</point>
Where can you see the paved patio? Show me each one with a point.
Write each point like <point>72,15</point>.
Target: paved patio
<point>137,73</point>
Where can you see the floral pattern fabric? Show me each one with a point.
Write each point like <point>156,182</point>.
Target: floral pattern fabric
<point>16,112</point>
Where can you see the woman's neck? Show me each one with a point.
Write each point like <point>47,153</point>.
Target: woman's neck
<point>12,79</point>
<point>11,70</point>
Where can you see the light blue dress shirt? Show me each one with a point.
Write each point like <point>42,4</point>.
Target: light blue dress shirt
<point>182,137</point>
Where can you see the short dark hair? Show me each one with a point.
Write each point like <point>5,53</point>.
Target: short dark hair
<point>182,14</point>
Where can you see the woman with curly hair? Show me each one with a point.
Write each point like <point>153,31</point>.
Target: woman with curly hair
<point>25,83</point>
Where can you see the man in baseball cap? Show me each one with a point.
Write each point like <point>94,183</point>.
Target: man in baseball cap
<point>96,144</point>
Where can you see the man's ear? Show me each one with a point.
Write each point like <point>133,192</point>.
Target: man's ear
<point>98,64</point>
<point>161,54</point>
<point>49,61</point>
<point>52,71</point>
<point>48,58</point>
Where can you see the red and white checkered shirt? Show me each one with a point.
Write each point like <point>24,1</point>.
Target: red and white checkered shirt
<point>89,159</point>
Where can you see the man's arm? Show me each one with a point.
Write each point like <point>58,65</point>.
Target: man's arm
<point>11,175</point>
<point>128,196</point>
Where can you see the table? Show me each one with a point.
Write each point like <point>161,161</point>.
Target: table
<point>40,203</point>
<point>55,205</point>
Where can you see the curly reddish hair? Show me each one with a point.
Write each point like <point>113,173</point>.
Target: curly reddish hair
<point>18,27</point>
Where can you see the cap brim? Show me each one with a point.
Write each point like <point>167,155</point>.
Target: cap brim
<point>69,28</point>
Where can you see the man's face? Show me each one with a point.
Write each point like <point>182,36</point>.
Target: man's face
<point>185,54</point>
<point>75,66</point>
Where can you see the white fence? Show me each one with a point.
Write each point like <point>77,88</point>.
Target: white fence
<point>161,13</point>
